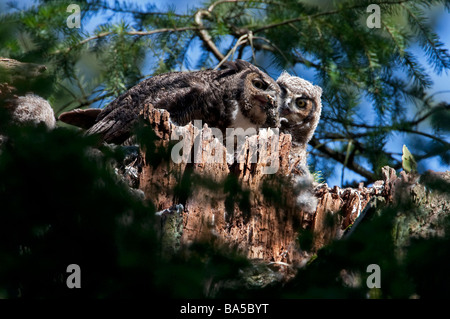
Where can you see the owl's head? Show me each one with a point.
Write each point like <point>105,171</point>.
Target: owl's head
<point>300,107</point>
<point>32,109</point>
<point>257,94</point>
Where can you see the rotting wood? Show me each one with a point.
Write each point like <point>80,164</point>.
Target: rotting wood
<point>266,228</point>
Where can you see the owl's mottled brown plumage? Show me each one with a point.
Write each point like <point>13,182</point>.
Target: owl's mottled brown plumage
<point>237,95</point>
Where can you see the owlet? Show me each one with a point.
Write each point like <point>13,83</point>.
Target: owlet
<point>299,115</point>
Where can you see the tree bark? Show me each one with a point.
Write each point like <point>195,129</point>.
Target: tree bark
<point>13,71</point>
<point>239,206</point>
<point>18,78</point>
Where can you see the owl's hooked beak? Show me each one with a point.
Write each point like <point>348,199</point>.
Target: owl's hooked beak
<point>284,111</point>
<point>266,99</point>
<point>262,98</point>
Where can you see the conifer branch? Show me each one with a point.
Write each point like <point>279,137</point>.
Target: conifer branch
<point>340,157</point>
<point>399,129</point>
<point>118,9</point>
<point>441,106</point>
<point>316,15</point>
<point>83,103</point>
<point>214,4</point>
<point>409,61</point>
<point>440,55</point>
<point>242,40</point>
<point>139,33</point>
<point>205,36</point>
<point>203,33</point>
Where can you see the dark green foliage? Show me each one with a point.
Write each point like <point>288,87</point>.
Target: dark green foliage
<point>275,189</point>
<point>60,206</point>
<point>183,190</point>
<point>236,195</point>
<point>435,184</point>
<point>306,239</point>
<point>155,153</point>
<point>195,271</point>
<point>64,205</point>
<point>430,282</point>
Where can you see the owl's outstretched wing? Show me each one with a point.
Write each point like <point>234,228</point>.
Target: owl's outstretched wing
<point>186,95</point>
<point>178,93</point>
<point>81,118</point>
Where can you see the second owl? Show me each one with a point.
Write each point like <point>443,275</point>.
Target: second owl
<point>300,109</point>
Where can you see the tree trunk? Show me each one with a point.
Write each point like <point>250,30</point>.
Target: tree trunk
<point>240,206</point>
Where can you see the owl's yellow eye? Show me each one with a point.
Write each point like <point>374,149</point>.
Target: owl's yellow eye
<point>300,103</point>
<point>259,84</point>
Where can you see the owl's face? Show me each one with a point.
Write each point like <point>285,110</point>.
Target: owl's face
<point>300,106</point>
<point>296,108</point>
<point>260,96</point>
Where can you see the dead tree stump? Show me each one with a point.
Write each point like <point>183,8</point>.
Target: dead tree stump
<point>236,204</point>
<point>227,205</point>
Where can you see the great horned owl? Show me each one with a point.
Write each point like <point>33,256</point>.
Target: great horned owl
<point>300,107</point>
<point>25,110</point>
<point>34,109</point>
<point>299,111</point>
<point>238,95</point>
<point>30,109</point>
